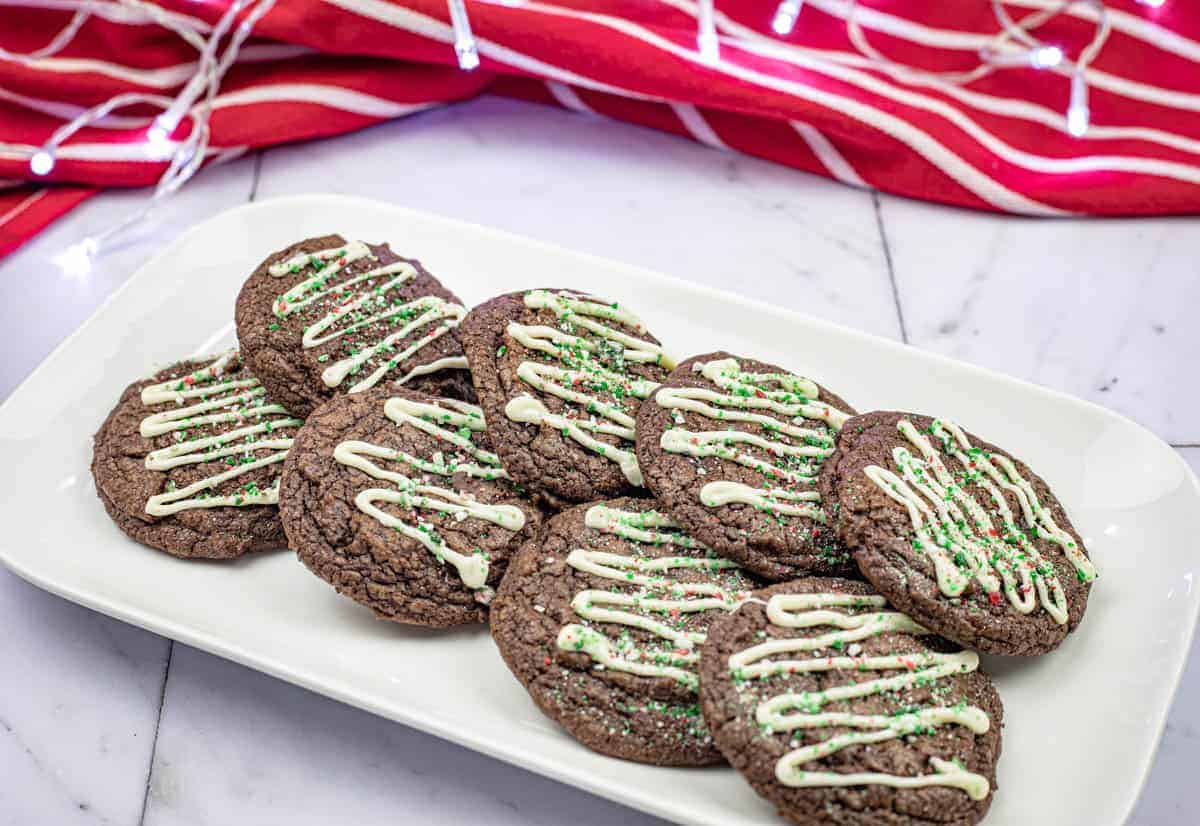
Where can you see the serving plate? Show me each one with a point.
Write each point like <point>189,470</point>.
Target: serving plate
<point>1082,724</point>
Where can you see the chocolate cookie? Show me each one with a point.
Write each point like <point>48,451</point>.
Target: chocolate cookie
<point>560,376</point>
<point>601,619</point>
<point>326,316</point>
<point>396,500</point>
<point>841,711</point>
<point>188,462</point>
<point>732,448</point>
<point>958,534</point>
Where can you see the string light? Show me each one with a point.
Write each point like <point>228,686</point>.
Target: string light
<point>57,43</point>
<point>42,163</point>
<point>1015,45</point>
<point>706,35</point>
<point>193,103</point>
<point>464,39</point>
<point>786,13</point>
<point>1078,115</point>
<point>159,132</point>
<point>1046,57</point>
<point>158,139</point>
<point>76,260</point>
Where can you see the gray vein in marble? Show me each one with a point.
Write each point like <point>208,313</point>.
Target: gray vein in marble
<point>891,269</point>
<point>258,161</point>
<point>48,772</point>
<point>162,701</point>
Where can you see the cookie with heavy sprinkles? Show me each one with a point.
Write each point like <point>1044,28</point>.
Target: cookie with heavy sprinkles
<point>560,376</point>
<point>327,316</point>
<point>188,462</point>
<point>840,710</point>
<point>732,447</point>
<point>602,618</point>
<point>957,533</point>
<point>397,500</point>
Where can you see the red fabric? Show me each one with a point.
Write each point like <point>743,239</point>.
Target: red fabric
<point>810,100</point>
<point>26,210</point>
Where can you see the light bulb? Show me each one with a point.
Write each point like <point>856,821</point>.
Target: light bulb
<point>468,55</point>
<point>41,163</point>
<point>464,40</point>
<point>1079,116</point>
<point>785,17</point>
<point>162,128</point>
<point>706,33</point>
<point>1046,57</point>
<point>157,138</point>
<point>1078,120</point>
<point>76,260</point>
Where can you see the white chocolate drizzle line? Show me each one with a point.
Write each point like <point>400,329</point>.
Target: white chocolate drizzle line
<point>586,373</point>
<point>657,593</point>
<point>238,402</point>
<point>794,463</point>
<point>445,421</point>
<point>364,306</point>
<point>802,710</point>
<point>959,535</point>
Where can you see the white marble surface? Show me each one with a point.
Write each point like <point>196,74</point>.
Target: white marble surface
<point>103,723</point>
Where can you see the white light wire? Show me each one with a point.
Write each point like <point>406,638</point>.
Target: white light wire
<point>1014,45</point>
<point>1029,51</point>
<point>184,158</point>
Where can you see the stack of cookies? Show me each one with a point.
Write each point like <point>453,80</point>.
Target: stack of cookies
<point>685,563</point>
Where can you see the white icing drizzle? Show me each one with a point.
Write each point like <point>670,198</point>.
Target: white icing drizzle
<point>960,537</point>
<point>802,710</point>
<point>443,421</point>
<point>793,463</point>
<point>238,402</point>
<point>363,307</point>
<point>657,594</point>
<point>775,500</point>
<point>585,373</point>
<point>447,363</point>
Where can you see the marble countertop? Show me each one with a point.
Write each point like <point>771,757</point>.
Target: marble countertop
<point>102,723</point>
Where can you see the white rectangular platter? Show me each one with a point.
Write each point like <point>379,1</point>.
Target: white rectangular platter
<point>1082,724</point>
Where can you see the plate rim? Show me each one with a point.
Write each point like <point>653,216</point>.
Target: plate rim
<point>344,692</point>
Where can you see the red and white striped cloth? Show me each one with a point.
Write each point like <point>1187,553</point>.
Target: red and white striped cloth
<point>810,100</point>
